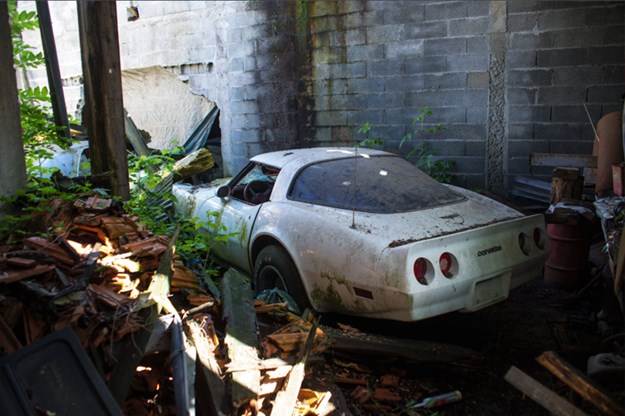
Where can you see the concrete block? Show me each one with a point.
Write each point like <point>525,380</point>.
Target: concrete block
<point>523,148</point>
<point>244,107</point>
<point>331,118</point>
<point>477,113</point>
<point>323,8</point>
<point>414,14</point>
<point>385,68</point>
<point>467,62</point>
<point>422,66</point>
<point>561,19</point>
<point>472,133</point>
<point>366,85</point>
<point>446,10</point>
<point>528,113</point>
<point>245,135</point>
<point>385,34</point>
<point>530,41</point>
<point>404,83</point>
<point>613,74</point>
<point>241,49</point>
<point>430,98</point>
<point>521,96</point>
<point>381,101</point>
<point>406,48</point>
<point>525,22</point>
<point>426,30</point>
<point>562,57</point>
<point>478,9</point>
<point>477,80</point>
<point>322,87</point>
<point>521,131</point>
<point>584,148</point>
<point>450,80</point>
<point>606,55</point>
<point>529,77</point>
<point>327,23</point>
<point>246,121</point>
<point>605,93</point>
<point>468,27</point>
<point>351,6</point>
<point>357,53</point>
<point>475,148</point>
<point>579,75</point>
<point>355,37</point>
<point>609,14</point>
<point>444,46</point>
<point>360,117</point>
<point>559,95</point>
<point>521,59</point>
<point>546,132</point>
<point>236,65</point>
<point>469,165</point>
<point>477,43</point>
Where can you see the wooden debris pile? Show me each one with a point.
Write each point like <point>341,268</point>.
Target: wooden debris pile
<point>165,346</point>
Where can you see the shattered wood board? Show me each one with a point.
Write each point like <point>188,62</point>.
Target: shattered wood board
<point>241,337</point>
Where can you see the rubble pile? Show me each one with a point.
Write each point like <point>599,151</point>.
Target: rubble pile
<point>162,339</point>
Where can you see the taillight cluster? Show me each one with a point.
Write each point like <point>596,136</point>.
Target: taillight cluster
<point>424,270</point>
<point>527,243</point>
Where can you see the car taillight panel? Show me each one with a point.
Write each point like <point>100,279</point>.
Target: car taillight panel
<point>423,271</point>
<point>448,264</point>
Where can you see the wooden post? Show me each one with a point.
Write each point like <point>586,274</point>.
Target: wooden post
<point>12,164</point>
<point>566,183</point>
<point>104,118</point>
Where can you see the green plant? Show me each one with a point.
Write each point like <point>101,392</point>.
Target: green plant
<point>368,141</point>
<point>150,197</point>
<point>423,153</point>
<point>41,136</point>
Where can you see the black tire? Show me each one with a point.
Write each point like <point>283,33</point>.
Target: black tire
<point>274,268</point>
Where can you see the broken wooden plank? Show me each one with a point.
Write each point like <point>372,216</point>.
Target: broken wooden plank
<point>557,405</point>
<point>208,377</point>
<point>286,398</point>
<point>412,350</point>
<point>241,337</point>
<point>21,274</point>
<point>134,347</point>
<point>199,161</point>
<point>579,383</point>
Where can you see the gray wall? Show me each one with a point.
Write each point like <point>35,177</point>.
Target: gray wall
<point>505,78</point>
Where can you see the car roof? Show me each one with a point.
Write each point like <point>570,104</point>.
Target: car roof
<point>303,157</point>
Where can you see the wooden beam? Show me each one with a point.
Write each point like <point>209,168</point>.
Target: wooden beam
<point>286,398</point>
<point>579,383</point>
<point>541,394</point>
<point>104,110</point>
<point>12,163</point>
<point>563,160</point>
<point>52,67</point>
<point>241,337</point>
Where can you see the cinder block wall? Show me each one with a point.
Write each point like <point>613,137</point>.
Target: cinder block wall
<point>505,78</point>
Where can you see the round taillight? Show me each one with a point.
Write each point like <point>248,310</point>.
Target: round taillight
<point>446,264</point>
<point>539,238</point>
<point>524,243</point>
<point>420,269</point>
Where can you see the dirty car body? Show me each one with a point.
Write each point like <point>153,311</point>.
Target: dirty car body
<point>364,232</point>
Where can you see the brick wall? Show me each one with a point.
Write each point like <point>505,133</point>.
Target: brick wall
<point>504,78</point>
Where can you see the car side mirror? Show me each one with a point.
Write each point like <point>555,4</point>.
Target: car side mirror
<point>223,191</point>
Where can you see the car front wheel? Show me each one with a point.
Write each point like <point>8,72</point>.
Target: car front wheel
<point>274,268</point>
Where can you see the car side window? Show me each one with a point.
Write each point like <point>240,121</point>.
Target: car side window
<point>256,185</point>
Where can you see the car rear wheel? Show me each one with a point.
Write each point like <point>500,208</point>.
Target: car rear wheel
<point>274,268</point>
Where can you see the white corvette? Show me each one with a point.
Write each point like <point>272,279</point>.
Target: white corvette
<point>364,232</point>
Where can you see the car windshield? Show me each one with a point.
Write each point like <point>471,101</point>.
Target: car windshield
<point>377,184</point>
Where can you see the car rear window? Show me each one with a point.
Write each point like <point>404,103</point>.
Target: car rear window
<point>377,184</point>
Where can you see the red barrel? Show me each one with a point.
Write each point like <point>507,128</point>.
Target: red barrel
<point>570,245</point>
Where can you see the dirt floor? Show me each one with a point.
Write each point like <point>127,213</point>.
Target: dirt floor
<point>536,318</point>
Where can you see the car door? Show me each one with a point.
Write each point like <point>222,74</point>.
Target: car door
<point>235,219</point>
<point>236,213</point>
